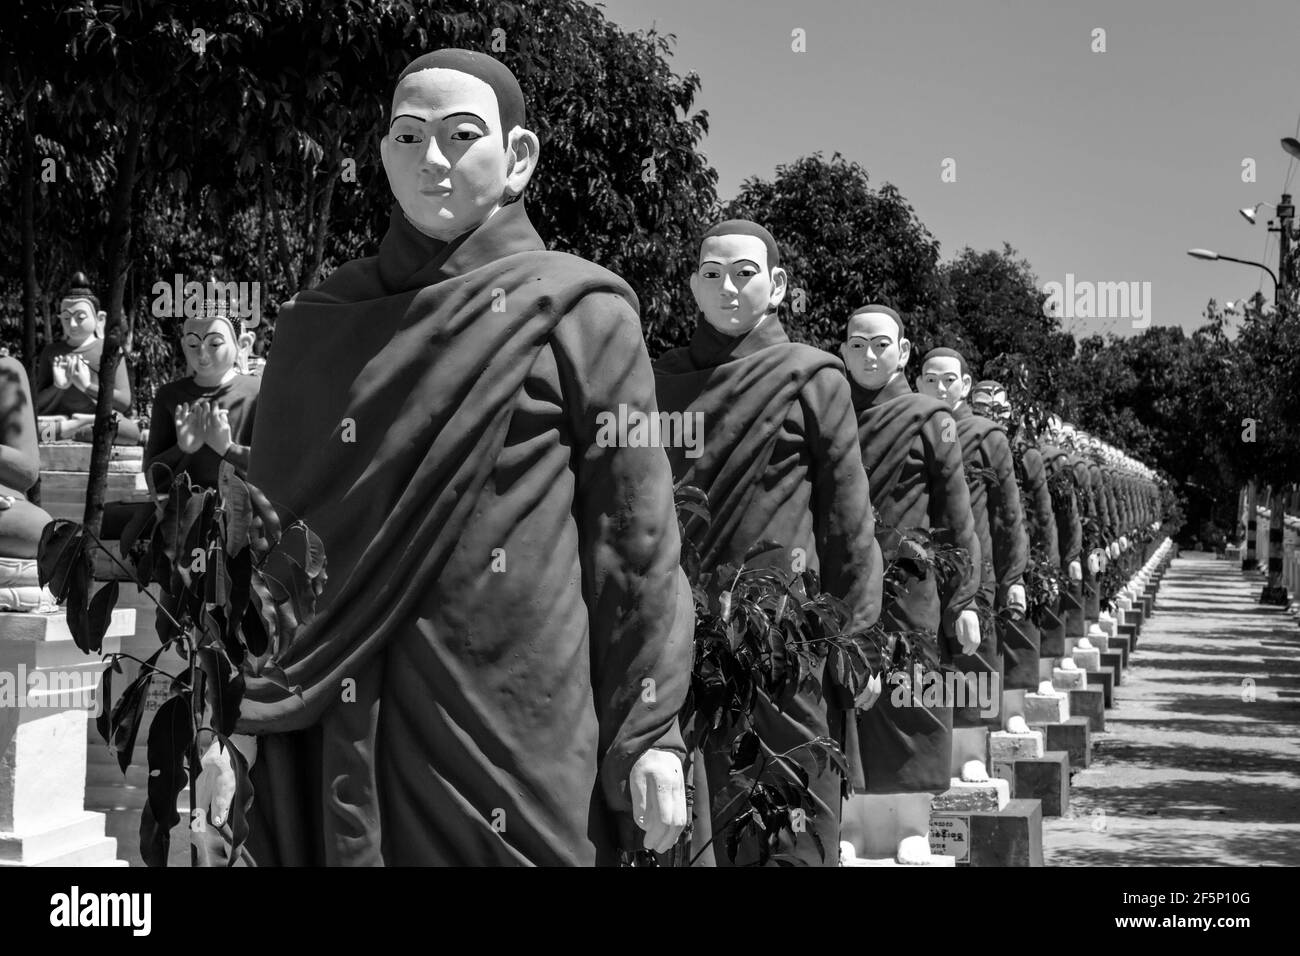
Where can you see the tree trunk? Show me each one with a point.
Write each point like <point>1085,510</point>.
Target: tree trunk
<point>1275,591</point>
<point>118,256</point>
<point>28,215</point>
<point>1249,559</point>
<point>320,231</point>
<point>286,260</point>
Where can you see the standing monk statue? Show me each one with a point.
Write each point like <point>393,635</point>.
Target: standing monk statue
<point>779,461</point>
<point>496,667</point>
<point>913,459</point>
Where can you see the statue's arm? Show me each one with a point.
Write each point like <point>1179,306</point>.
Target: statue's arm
<point>846,532</point>
<point>639,606</point>
<point>47,393</point>
<point>950,508</point>
<point>20,462</point>
<point>1041,497</point>
<point>162,447</point>
<point>1011,541</point>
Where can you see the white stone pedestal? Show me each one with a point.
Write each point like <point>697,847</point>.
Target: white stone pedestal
<point>47,689</point>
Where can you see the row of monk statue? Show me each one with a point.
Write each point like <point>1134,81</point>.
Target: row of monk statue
<point>503,586</point>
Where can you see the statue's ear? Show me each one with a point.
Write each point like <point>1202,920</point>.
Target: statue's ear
<point>904,352</point>
<point>521,160</point>
<point>780,282</point>
<point>965,385</point>
<point>101,317</point>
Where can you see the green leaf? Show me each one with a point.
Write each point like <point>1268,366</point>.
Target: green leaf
<point>100,614</point>
<point>171,734</point>
<point>61,545</point>
<point>238,506</point>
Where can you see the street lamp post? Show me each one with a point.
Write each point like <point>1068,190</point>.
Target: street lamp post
<point>1274,590</point>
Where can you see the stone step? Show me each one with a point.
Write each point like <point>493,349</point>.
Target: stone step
<point>75,456</point>
<point>50,628</point>
<point>28,849</point>
<point>103,852</point>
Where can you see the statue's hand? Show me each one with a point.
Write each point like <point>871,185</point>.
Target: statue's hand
<point>1114,549</point>
<point>1123,543</point>
<point>1094,563</point>
<point>869,694</point>
<point>658,792</point>
<point>189,430</point>
<point>1016,598</point>
<point>216,783</point>
<point>216,429</point>
<point>968,631</point>
<point>1076,571</point>
<point>79,373</point>
<point>60,365</point>
<point>7,502</point>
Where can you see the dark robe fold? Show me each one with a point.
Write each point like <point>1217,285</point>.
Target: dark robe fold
<point>779,461</point>
<point>505,628</point>
<point>987,460</point>
<point>914,463</point>
<point>1040,525</point>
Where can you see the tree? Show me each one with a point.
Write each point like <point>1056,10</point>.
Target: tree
<point>993,314</point>
<point>844,245</point>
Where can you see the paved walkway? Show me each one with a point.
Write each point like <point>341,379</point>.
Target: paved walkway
<point>1191,769</point>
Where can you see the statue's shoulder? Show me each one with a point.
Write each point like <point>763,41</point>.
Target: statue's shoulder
<point>591,292</point>
<point>12,368</point>
<point>356,279</point>
<point>926,407</point>
<point>809,356</point>
<point>674,362</point>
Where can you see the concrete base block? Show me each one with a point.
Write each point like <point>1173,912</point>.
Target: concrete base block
<point>1045,709</point>
<point>1113,661</point>
<point>1103,680</point>
<point>1064,680</point>
<point>1045,778</point>
<point>1088,659</point>
<point>1121,645</point>
<point>937,860</point>
<point>1012,836</point>
<point>1090,703</point>
<point>962,796</point>
<point>1074,737</point>
<point>1009,746</point>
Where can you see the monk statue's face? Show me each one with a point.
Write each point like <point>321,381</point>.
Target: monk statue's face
<point>994,405</point>
<point>733,285</point>
<point>942,378</point>
<point>211,349</point>
<point>449,164</point>
<point>875,350</point>
<point>81,322</point>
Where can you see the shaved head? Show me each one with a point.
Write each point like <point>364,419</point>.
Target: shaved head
<point>947,353</point>
<point>510,98</point>
<point>858,320</point>
<point>743,227</point>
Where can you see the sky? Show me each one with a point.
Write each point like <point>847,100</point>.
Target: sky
<point>1105,166</point>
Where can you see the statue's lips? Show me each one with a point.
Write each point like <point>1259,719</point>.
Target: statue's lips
<point>434,191</point>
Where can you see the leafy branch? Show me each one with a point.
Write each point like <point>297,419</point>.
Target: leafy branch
<point>233,587</point>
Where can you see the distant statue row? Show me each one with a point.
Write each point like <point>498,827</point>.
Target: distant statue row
<point>197,422</point>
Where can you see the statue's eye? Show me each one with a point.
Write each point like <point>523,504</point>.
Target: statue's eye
<point>407,138</point>
<point>466,135</point>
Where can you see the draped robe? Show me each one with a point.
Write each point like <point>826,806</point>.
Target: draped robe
<point>914,462</point>
<point>506,628</point>
<point>1069,529</point>
<point>779,462</point>
<point>995,501</point>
